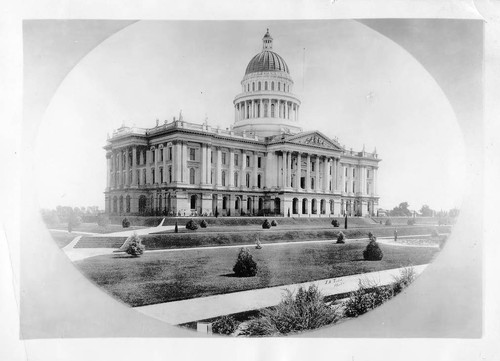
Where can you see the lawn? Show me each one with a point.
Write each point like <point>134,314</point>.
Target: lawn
<point>63,239</point>
<point>168,276</point>
<point>92,228</point>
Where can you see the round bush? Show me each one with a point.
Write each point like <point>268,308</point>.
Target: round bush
<point>341,238</point>
<point>266,224</point>
<point>191,225</point>
<point>203,224</point>
<point>225,325</point>
<point>370,235</point>
<point>273,223</point>
<point>125,223</point>
<point>134,245</point>
<point>372,251</point>
<point>245,265</point>
<point>335,223</point>
<point>388,222</point>
<point>411,222</point>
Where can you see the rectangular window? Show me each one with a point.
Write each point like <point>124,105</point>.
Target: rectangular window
<point>161,154</point>
<point>248,161</point>
<point>259,162</point>
<point>312,183</point>
<point>367,173</point>
<point>161,175</point>
<point>153,155</point>
<point>192,154</point>
<point>236,160</point>
<point>353,187</point>
<point>312,166</point>
<point>211,157</point>
<point>345,171</point>
<point>169,174</point>
<point>367,188</point>
<point>353,172</point>
<point>169,153</point>
<point>223,158</point>
<point>345,187</point>
<point>153,180</point>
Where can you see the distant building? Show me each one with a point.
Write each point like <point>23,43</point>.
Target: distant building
<point>264,164</point>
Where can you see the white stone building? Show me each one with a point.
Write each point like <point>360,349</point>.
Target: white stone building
<point>264,165</point>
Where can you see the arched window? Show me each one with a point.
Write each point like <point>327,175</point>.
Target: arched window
<point>142,204</point>
<point>224,202</point>
<point>237,203</point>
<point>272,110</point>
<point>253,87</point>
<point>121,204</point>
<point>265,85</point>
<point>191,176</point>
<point>127,204</point>
<point>265,109</point>
<point>223,178</point>
<point>235,179</point>
<point>247,180</point>
<point>259,85</point>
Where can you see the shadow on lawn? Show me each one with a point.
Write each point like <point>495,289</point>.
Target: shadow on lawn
<point>123,256</point>
<point>231,275</point>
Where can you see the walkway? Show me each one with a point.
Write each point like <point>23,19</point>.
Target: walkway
<point>179,312</point>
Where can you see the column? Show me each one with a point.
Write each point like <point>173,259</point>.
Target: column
<point>208,161</point>
<point>203,161</point>
<point>218,180</point>
<point>176,160</point>
<point>339,175</point>
<point>269,169</point>
<point>184,170</point>
<point>326,174</point>
<point>148,166</point>
<point>298,171</point>
<point>282,167</point>
<point>316,171</point>
<point>308,172</point>
<point>108,170</point>
<point>165,156</point>
<point>231,169</point>
<point>255,169</point>
<point>134,166</point>
<point>243,169</point>
<point>375,181</point>
<point>288,169</point>
<point>157,170</point>
<point>334,174</point>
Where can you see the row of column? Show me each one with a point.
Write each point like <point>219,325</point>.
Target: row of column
<point>259,108</point>
<point>285,178</point>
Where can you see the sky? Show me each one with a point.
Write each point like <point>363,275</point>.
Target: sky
<point>354,84</point>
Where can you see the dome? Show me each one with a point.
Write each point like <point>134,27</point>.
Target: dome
<point>266,61</point>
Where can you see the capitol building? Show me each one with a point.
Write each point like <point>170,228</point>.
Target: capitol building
<point>264,164</point>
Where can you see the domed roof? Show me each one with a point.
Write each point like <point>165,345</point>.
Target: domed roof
<point>267,60</point>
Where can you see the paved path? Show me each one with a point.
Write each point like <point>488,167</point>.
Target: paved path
<point>179,312</point>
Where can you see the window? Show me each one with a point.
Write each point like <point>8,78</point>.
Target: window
<point>161,154</point>
<point>236,160</point>
<point>353,172</point>
<point>279,86</point>
<point>223,178</point>
<point>253,87</point>
<point>224,203</point>
<point>345,187</point>
<point>259,85</point>
<point>312,183</point>
<point>345,171</point>
<point>138,175</point>
<point>247,180</point>
<point>129,177</point>
<point>265,109</point>
<point>211,157</point>
<point>367,188</point>
<point>191,176</point>
<point>259,177</point>
<point>272,85</point>
<point>235,179</point>
<point>367,173</point>
<point>192,154</point>
<point>144,176</point>
<point>169,153</point>
<point>259,162</point>
<point>153,180</point>
<point>265,85</point>
<point>272,110</point>
<point>212,177</point>
<point>223,158</point>
<point>248,161</point>
<point>312,166</point>
<point>170,174</point>
<point>153,155</point>
<point>161,174</point>
<point>353,186</point>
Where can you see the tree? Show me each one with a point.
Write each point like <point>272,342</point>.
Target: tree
<point>454,212</point>
<point>401,210</point>
<point>426,211</point>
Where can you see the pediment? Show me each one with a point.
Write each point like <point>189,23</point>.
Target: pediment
<point>315,139</point>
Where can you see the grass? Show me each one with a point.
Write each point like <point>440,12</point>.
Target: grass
<point>168,276</point>
<point>92,228</point>
<point>63,239</point>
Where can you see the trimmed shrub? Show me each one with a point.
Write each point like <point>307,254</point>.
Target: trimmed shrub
<point>203,224</point>
<point>266,224</point>
<point>134,245</point>
<point>388,222</point>
<point>226,325</point>
<point>411,222</point>
<point>335,223</point>
<point>191,225</point>
<point>370,235</point>
<point>373,251</point>
<point>125,223</point>
<point>245,265</point>
<point>341,238</point>
<point>304,311</point>
<point>273,223</point>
